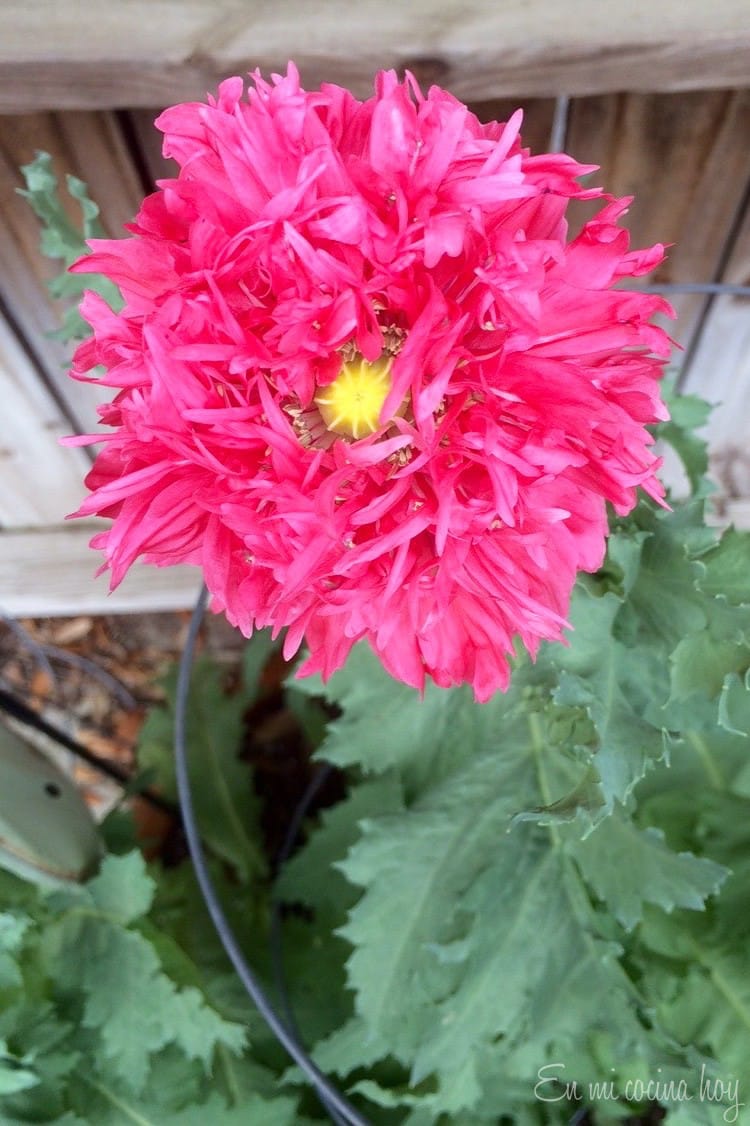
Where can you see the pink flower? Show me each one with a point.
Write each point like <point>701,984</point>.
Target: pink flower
<point>365,382</point>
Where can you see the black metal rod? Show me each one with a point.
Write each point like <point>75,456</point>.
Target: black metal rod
<point>341,1111</point>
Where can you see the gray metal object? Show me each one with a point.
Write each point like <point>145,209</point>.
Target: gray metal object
<point>47,833</point>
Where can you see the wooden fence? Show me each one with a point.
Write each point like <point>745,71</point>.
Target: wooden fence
<point>678,138</point>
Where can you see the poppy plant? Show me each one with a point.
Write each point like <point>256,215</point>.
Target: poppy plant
<point>365,380</point>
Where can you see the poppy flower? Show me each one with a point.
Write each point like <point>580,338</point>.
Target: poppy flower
<point>366,382</point>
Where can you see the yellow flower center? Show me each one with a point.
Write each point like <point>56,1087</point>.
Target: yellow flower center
<point>351,405</point>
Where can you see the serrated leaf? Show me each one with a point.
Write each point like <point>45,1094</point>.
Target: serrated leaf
<point>15,1073</point>
<point>704,658</point>
<point>664,603</point>
<point>713,1007</point>
<point>61,239</point>
<point>524,958</point>
<point>107,1105</point>
<point>225,803</point>
<point>310,876</point>
<point>700,665</point>
<point>13,927</point>
<point>627,867</point>
<point>386,1096</point>
<point>46,1043</point>
<point>280,1111</point>
<point>688,414</point>
<point>585,798</point>
<point>134,1007</point>
<point>392,727</point>
<point>615,684</point>
<point>123,888</point>
<point>734,704</point>
<point>128,1000</point>
<point>697,968</point>
<point>351,1046</point>
<point>725,571</point>
<point>492,936</point>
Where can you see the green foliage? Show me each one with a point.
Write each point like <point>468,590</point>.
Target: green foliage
<point>63,240</point>
<point>550,876</point>
<point>117,1003</point>
<point>688,414</point>
<point>225,803</point>
<point>94,1029</point>
<point>487,924</point>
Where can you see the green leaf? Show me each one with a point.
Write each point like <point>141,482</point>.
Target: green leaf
<point>280,1111</point>
<point>725,571</point>
<point>123,889</point>
<point>380,726</point>
<point>615,684</point>
<point>696,968</point>
<point>310,876</point>
<point>225,803</point>
<point>491,935</point>
<point>61,239</point>
<point>47,1045</point>
<point>688,414</point>
<point>704,658</point>
<point>133,1006</point>
<point>627,867</point>
<point>734,704</point>
<point>107,1105</point>
<point>15,1073</point>
<point>351,1046</point>
<point>385,725</point>
<point>712,1007</point>
<point>13,927</point>
<point>664,603</point>
<point>255,657</point>
<point>701,663</point>
<point>313,955</point>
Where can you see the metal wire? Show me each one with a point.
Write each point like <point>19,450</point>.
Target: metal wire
<point>719,289</point>
<point>277,944</point>
<point>338,1107</point>
<point>559,131</point>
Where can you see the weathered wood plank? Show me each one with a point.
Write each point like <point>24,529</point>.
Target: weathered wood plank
<point>149,141</point>
<point>720,372</point>
<point>153,52</point>
<point>90,146</point>
<point>50,573</point>
<point>538,115</point>
<point>40,481</point>
<point>686,159</point>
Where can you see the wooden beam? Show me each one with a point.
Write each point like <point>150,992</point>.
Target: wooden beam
<point>51,573</point>
<point>155,52</point>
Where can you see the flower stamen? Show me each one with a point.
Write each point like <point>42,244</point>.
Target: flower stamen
<point>350,406</point>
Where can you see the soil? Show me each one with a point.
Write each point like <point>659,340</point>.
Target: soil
<point>93,679</point>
